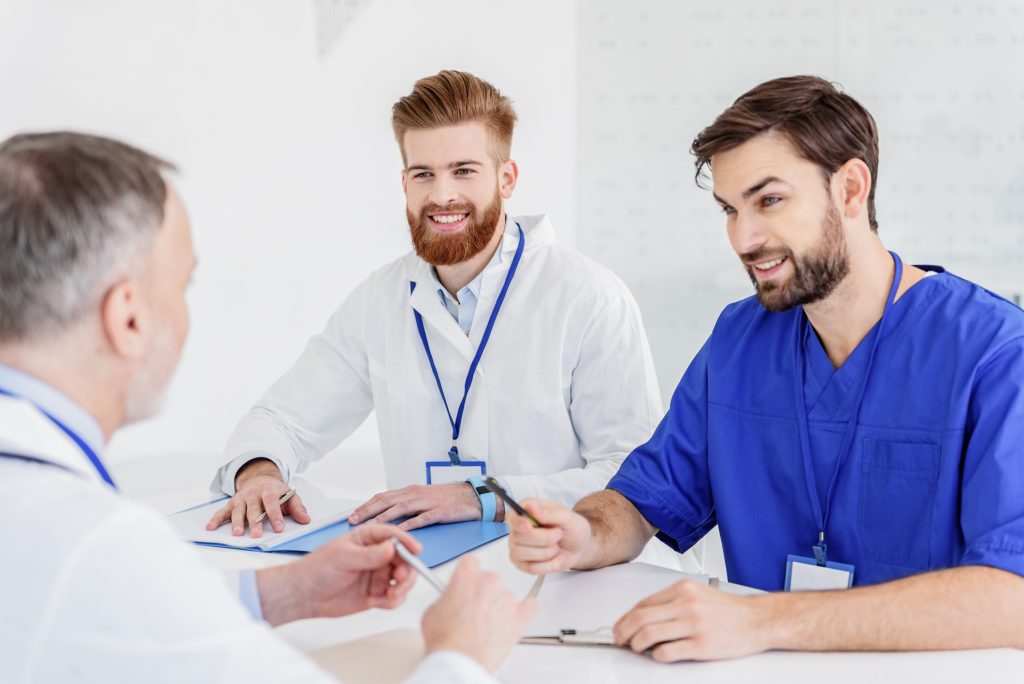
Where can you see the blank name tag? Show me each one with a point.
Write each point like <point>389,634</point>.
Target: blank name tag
<point>443,472</point>
<point>804,574</point>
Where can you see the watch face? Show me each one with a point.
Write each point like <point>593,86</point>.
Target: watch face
<point>482,490</point>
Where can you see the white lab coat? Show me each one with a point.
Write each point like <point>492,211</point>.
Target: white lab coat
<point>565,389</point>
<point>95,588</point>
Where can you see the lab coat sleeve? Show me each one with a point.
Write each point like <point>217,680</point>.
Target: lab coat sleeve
<point>319,402</point>
<point>614,403</point>
<point>667,479</point>
<point>992,510</point>
<point>135,604</point>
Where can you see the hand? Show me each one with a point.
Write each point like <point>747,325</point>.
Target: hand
<point>428,504</point>
<point>356,571</point>
<point>476,616</point>
<point>555,547</point>
<point>692,621</point>
<point>258,487</point>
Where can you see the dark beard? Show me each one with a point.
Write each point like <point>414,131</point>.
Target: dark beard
<point>815,275</point>
<point>439,249</point>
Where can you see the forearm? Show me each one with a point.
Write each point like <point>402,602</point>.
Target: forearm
<point>966,607</point>
<point>280,600</point>
<point>618,531</point>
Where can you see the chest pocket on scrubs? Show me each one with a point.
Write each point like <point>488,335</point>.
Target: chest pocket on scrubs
<point>897,498</point>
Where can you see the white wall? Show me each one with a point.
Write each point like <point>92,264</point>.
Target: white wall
<point>942,78</point>
<point>288,164</point>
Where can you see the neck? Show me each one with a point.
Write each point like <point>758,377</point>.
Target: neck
<point>454,277</point>
<point>844,318</point>
<point>62,365</point>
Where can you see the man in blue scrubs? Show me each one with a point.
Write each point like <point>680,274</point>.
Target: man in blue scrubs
<point>859,422</point>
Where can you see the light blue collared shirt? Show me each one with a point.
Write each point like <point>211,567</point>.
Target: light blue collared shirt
<point>463,309</point>
<point>55,403</point>
<point>79,421</point>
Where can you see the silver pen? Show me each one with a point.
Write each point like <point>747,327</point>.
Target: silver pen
<point>284,497</point>
<point>417,565</point>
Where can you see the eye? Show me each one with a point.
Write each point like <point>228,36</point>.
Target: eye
<point>727,210</point>
<point>770,200</point>
<point>464,171</point>
<point>421,175</point>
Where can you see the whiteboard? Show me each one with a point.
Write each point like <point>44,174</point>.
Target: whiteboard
<point>942,79</point>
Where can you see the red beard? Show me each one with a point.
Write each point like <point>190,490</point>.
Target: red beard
<point>440,249</point>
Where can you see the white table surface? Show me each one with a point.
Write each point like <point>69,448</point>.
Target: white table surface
<point>382,646</point>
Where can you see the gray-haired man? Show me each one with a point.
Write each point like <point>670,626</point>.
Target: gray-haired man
<point>95,258</point>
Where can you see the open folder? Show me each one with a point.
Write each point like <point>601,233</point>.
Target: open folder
<point>441,543</point>
<point>579,608</point>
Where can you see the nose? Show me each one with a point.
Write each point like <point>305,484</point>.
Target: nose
<point>746,234</point>
<point>443,191</point>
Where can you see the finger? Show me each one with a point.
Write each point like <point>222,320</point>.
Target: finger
<point>467,568</point>
<point>525,611</point>
<point>222,515</point>
<point>273,509</point>
<point>295,508</point>
<point>252,512</point>
<point>399,510</point>
<point>640,617</point>
<point>421,520</point>
<point>375,533</point>
<point>238,518</point>
<point>559,563</point>
<point>380,580</point>
<point>534,554</point>
<point>651,635</point>
<point>549,513</point>
<point>525,534</point>
<point>379,502</point>
<point>683,649</point>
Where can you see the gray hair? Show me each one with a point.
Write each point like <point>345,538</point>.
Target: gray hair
<point>76,213</point>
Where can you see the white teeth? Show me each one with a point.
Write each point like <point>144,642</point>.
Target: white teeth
<point>448,218</point>
<point>768,265</point>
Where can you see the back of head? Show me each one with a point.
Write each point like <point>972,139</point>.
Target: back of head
<point>77,212</point>
<point>824,126</point>
<point>456,97</point>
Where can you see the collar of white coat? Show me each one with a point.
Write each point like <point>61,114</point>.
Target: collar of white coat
<point>537,231</point>
<point>25,431</point>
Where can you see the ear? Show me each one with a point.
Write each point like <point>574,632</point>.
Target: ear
<point>508,174</point>
<point>123,321</point>
<point>405,183</point>
<point>853,181</point>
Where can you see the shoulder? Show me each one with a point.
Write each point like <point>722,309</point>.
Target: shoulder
<point>964,312</point>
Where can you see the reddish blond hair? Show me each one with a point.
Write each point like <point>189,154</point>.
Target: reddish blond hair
<point>456,97</point>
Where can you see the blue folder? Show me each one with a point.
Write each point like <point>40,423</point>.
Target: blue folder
<point>441,543</point>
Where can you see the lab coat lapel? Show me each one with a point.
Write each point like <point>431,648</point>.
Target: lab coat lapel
<point>436,320</point>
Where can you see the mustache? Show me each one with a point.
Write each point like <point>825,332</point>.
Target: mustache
<point>463,207</point>
<point>764,254</point>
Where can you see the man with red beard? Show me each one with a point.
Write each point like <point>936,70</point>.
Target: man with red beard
<point>491,351</point>
<point>858,423</point>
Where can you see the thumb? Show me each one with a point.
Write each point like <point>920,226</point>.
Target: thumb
<point>371,557</point>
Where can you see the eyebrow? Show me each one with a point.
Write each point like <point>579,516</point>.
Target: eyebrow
<point>753,189</point>
<point>453,165</point>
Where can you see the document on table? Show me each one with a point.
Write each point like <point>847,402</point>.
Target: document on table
<point>580,608</point>
<point>190,524</point>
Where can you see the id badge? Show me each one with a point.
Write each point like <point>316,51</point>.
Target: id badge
<point>804,574</point>
<point>443,472</point>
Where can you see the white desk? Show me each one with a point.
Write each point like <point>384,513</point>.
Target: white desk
<point>382,646</point>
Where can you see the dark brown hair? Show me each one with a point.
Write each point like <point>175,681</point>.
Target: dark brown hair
<point>455,97</point>
<point>824,125</point>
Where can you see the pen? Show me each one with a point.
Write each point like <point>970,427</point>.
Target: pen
<point>417,565</point>
<point>284,497</point>
<point>498,490</point>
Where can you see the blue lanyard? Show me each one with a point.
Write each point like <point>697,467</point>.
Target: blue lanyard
<point>453,453</point>
<point>94,459</point>
<point>821,548</point>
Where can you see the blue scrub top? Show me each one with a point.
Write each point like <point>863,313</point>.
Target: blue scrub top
<point>935,477</point>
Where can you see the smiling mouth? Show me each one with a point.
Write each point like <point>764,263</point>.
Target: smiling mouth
<point>447,219</point>
<point>766,269</point>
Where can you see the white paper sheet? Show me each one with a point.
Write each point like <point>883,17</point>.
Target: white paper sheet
<point>324,510</point>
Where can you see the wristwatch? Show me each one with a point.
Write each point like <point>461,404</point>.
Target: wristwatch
<point>488,502</point>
